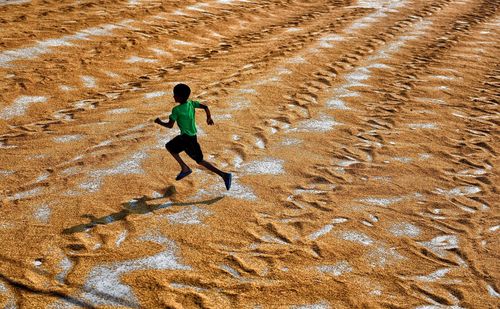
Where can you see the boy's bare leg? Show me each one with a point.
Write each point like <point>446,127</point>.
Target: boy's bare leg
<point>212,168</point>
<point>227,177</point>
<point>184,167</point>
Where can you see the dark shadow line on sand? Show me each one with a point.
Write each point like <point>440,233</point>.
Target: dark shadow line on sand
<point>139,206</point>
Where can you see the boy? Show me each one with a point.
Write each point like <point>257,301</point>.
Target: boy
<point>184,114</point>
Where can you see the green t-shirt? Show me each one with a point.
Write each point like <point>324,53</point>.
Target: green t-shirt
<point>184,115</point>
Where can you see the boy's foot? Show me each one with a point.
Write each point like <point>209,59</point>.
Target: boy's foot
<point>183,174</point>
<point>227,180</point>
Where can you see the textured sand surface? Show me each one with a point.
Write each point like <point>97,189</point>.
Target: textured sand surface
<point>362,135</point>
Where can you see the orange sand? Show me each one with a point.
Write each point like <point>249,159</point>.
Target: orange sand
<point>362,135</point>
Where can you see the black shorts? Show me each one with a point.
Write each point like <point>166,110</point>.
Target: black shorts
<point>186,143</point>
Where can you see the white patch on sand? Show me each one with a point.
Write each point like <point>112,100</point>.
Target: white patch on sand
<point>231,271</point>
<point>248,91</point>
<point>111,74</point>
<point>472,172</point>
<point>368,19</point>
<point>297,60</point>
<point>3,288</point>
<point>25,194</point>
<point>337,269</point>
<point>291,141</point>
<point>66,264</point>
<point>188,215</point>
<point>119,111</point>
<point>444,77</point>
<point>313,191</point>
<point>240,104</point>
<point>415,126</point>
<point>382,66</point>
<point>404,229</point>
<point>267,81</point>
<point>121,238</point>
<point>492,291</point>
<point>382,178</point>
<point>88,81</point>
<point>267,166</point>
<point>237,161</point>
<point>402,159</point>
<point>345,163</point>
<point>42,213</point>
<point>238,190</point>
<point>343,92</point>
<point>183,43</point>
<point>283,71</point>
<point>44,47</point>
<point>198,7</point>
<point>323,124</point>
<point>9,2</point>
<point>321,305</point>
<point>179,13</point>
<point>424,156</point>
<point>324,44</point>
<point>105,280</point>
<point>6,172</point>
<point>333,38</point>
<point>459,191</point>
<point>326,229</point>
<point>66,88</point>
<point>71,170</point>
<point>438,274</point>
<point>20,106</point>
<point>6,225</point>
<point>235,137</point>
<point>159,52</point>
<point>355,236</point>
<point>156,194</point>
<point>135,59</point>
<point>384,202</point>
<point>272,239</point>
<point>494,228</point>
<point>155,94</point>
<point>103,30</point>
<point>67,138</point>
<point>130,166</point>
<point>222,117</point>
<point>359,74</point>
<point>336,104</point>
<point>381,256</point>
<point>441,243</point>
<point>260,143</point>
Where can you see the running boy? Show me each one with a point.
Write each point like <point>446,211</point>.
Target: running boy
<point>184,114</point>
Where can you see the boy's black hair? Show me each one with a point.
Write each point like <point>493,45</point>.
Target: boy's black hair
<point>182,91</point>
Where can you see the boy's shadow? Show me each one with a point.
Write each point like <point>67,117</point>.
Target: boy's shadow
<point>138,206</point>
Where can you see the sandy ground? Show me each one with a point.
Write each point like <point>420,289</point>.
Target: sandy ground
<point>362,135</point>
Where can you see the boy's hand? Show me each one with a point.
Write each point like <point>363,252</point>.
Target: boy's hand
<point>158,121</point>
<point>210,121</point>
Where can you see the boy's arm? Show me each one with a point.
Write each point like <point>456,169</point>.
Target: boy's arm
<point>169,124</point>
<point>207,111</point>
